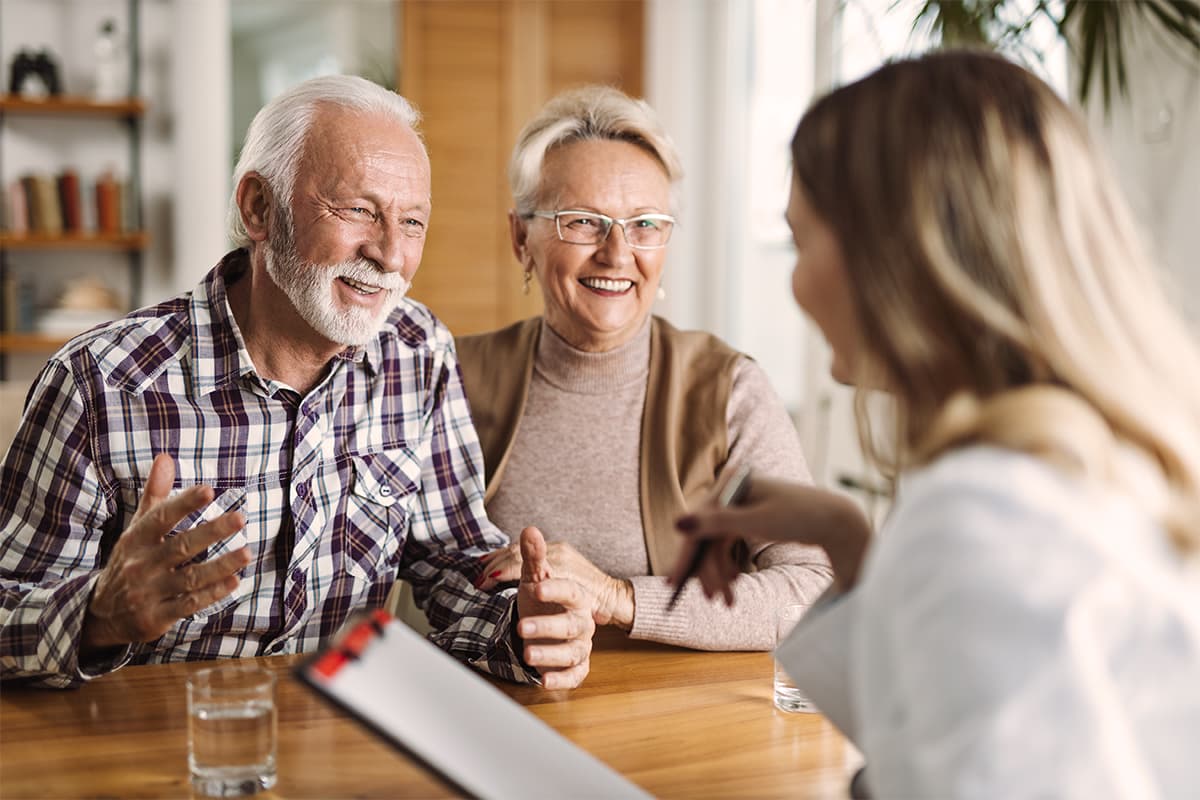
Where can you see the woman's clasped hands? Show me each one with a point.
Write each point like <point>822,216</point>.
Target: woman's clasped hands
<point>612,597</point>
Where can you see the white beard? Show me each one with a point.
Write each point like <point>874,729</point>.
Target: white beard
<point>310,288</point>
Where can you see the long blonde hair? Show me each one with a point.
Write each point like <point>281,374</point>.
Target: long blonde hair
<point>1001,284</point>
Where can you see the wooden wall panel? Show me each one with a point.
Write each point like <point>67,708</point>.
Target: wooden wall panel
<point>595,42</point>
<point>447,47</point>
<point>478,70</point>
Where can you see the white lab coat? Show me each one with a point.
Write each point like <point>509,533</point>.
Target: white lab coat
<point>1015,633</point>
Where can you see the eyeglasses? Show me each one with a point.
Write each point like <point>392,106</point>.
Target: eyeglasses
<point>643,232</point>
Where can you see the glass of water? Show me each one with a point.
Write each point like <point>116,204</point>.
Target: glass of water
<point>787,696</point>
<point>231,730</point>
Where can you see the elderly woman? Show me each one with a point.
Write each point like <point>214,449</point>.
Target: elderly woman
<point>601,423</point>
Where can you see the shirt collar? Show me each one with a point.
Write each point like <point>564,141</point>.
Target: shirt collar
<point>219,354</point>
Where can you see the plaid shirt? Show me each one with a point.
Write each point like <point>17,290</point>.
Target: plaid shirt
<point>375,473</point>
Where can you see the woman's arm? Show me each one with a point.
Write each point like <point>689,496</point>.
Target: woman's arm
<point>763,437</point>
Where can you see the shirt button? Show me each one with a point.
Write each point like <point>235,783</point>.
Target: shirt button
<point>385,490</point>
<point>302,489</point>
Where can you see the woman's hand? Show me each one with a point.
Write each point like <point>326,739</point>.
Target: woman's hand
<point>613,597</point>
<point>774,511</point>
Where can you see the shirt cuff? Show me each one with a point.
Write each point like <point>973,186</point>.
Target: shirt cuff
<point>503,657</point>
<point>48,628</point>
<point>109,660</point>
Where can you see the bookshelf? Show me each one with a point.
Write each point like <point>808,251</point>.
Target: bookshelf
<point>19,335</point>
<point>89,240</point>
<point>31,342</point>
<point>68,106</point>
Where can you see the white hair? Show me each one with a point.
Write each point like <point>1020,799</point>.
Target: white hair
<point>588,113</point>
<point>277,135</point>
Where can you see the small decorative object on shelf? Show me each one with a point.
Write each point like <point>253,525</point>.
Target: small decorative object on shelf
<point>111,83</point>
<point>21,72</point>
<point>83,304</point>
<point>34,75</point>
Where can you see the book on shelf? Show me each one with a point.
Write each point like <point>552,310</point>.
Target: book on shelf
<point>11,312</point>
<point>16,212</point>
<point>87,207</point>
<point>69,201</point>
<point>18,304</point>
<point>29,189</point>
<point>49,209</point>
<point>108,204</point>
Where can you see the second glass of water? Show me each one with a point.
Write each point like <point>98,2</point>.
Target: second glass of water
<point>231,730</point>
<point>787,696</point>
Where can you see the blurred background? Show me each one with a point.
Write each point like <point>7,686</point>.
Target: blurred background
<point>144,103</point>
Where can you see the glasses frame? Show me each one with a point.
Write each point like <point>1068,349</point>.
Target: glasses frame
<point>610,223</point>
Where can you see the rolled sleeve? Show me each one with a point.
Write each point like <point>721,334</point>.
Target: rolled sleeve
<point>450,531</point>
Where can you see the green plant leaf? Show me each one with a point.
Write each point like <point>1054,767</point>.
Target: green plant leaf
<point>1180,18</point>
<point>1096,31</point>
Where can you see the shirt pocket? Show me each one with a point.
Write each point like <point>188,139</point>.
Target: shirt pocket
<point>377,514</point>
<point>230,499</point>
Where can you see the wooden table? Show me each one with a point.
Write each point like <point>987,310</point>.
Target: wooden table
<point>677,722</point>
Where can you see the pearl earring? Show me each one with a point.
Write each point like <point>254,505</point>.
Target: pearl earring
<point>661,294</point>
<point>527,280</point>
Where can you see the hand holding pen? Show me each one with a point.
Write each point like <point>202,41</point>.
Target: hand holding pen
<point>732,492</point>
<point>770,510</point>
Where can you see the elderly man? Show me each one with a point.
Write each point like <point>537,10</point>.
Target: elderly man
<point>234,471</point>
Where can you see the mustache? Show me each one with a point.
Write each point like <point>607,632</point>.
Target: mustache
<point>364,271</point>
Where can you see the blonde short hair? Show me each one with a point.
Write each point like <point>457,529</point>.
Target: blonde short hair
<point>1003,290</point>
<point>590,112</point>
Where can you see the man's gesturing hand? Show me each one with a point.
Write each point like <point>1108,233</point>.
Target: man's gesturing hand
<point>555,618</point>
<point>143,589</point>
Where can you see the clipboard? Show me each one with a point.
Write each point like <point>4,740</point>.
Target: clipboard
<point>440,712</point>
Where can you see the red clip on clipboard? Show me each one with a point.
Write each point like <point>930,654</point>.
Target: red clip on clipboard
<point>352,646</point>
<point>445,715</point>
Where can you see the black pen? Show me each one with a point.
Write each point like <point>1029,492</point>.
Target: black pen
<point>733,492</point>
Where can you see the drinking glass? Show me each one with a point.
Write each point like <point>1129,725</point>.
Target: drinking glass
<point>231,730</point>
<point>787,696</point>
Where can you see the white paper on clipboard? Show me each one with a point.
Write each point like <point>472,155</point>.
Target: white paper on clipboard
<point>438,710</point>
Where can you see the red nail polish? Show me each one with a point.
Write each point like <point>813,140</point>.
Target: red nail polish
<point>495,574</point>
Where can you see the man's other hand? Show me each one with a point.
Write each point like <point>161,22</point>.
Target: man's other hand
<point>144,588</point>
<point>555,618</point>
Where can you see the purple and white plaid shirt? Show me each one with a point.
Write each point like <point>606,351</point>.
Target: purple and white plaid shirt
<point>375,473</point>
